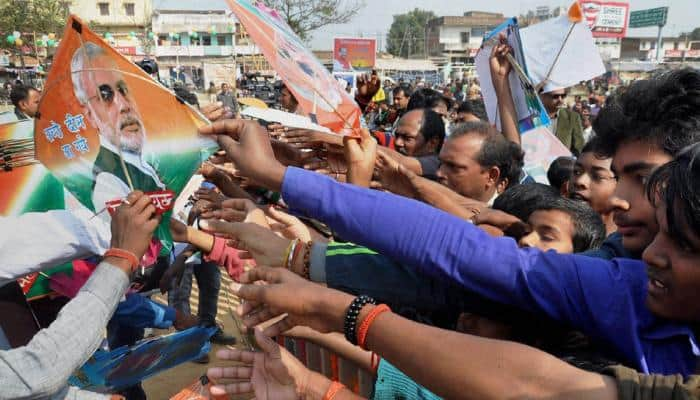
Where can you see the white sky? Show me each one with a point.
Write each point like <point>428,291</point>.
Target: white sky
<point>375,18</point>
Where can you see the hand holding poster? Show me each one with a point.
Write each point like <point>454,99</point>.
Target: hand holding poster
<point>102,132</point>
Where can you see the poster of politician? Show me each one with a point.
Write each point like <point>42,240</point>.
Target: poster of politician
<point>350,54</point>
<point>106,128</point>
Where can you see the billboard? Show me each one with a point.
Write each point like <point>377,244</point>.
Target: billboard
<point>606,19</point>
<point>354,53</point>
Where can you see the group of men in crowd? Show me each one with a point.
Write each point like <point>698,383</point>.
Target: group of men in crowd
<point>425,255</point>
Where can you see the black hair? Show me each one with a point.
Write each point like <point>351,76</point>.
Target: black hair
<point>496,151</point>
<point>432,127</point>
<point>589,229</point>
<point>20,93</point>
<point>664,110</point>
<point>474,107</point>
<point>523,200</point>
<point>427,98</point>
<point>677,185</point>
<point>560,171</point>
<point>520,200</point>
<point>406,89</point>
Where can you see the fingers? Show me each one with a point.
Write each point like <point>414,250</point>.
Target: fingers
<point>279,327</point>
<point>281,216</point>
<point>232,388</point>
<point>267,274</point>
<point>264,314</point>
<point>266,344</point>
<point>229,127</point>
<point>134,196</point>
<point>239,204</point>
<point>229,372</point>
<point>226,214</point>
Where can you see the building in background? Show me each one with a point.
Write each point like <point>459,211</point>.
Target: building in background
<point>198,42</point>
<point>453,41</point>
<point>125,24</point>
<point>457,39</point>
<point>678,48</point>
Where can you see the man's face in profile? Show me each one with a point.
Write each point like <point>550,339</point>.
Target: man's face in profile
<point>112,108</point>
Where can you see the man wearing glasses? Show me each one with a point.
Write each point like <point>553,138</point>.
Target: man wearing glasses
<point>566,124</point>
<point>107,104</point>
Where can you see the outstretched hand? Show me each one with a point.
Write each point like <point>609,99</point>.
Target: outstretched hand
<point>283,292</point>
<point>272,373</point>
<point>247,144</point>
<point>260,243</point>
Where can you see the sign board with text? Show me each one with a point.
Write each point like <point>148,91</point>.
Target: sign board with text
<point>649,17</point>
<point>606,19</point>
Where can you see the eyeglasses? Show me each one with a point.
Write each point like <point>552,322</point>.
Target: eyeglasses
<point>105,92</point>
<point>557,96</point>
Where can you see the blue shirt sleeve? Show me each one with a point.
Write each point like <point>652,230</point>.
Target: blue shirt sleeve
<point>574,289</point>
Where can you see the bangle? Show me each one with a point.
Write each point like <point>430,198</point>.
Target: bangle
<point>294,256</point>
<point>125,255</point>
<point>350,325</point>
<point>367,322</point>
<point>333,389</point>
<point>288,252</point>
<point>374,362</point>
<point>306,272</point>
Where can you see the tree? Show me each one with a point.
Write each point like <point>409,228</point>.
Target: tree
<point>695,34</point>
<point>305,16</point>
<point>31,16</point>
<point>407,33</point>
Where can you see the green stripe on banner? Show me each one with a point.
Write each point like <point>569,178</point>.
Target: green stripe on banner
<point>350,252</point>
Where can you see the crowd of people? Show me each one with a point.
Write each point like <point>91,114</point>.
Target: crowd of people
<point>418,248</point>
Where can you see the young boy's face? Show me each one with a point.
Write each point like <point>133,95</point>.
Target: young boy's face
<point>633,213</point>
<point>551,230</point>
<point>593,182</point>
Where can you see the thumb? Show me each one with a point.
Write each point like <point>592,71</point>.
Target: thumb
<point>266,344</point>
<point>231,147</point>
<point>280,216</point>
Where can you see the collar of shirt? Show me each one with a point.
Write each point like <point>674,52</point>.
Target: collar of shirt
<point>136,160</point>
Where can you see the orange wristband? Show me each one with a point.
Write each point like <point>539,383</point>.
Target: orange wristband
<point>333,389</point>
<point>367,322</point>
<point>124,254</point>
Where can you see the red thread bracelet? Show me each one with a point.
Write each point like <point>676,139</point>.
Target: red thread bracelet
<point>367,322</point>
<point>333,389</point>
<point>125,255</point>
<point>374,362</point>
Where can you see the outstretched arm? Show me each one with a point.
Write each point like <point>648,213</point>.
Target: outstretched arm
<point>451,364</point>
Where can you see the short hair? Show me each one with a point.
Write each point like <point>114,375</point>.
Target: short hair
<point>560,171</point>
<point>474,107</point>
<point>496,151</point>
<point>432,127</point>
<point>20,93</point>
<point>427,98</point>
<point>90,51</point>
<point>523,200</point>
<point>677,185</point>
<point>664,110</point>
<point>405,89</point>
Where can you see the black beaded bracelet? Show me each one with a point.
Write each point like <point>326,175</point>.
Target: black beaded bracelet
<point>351,317</point>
